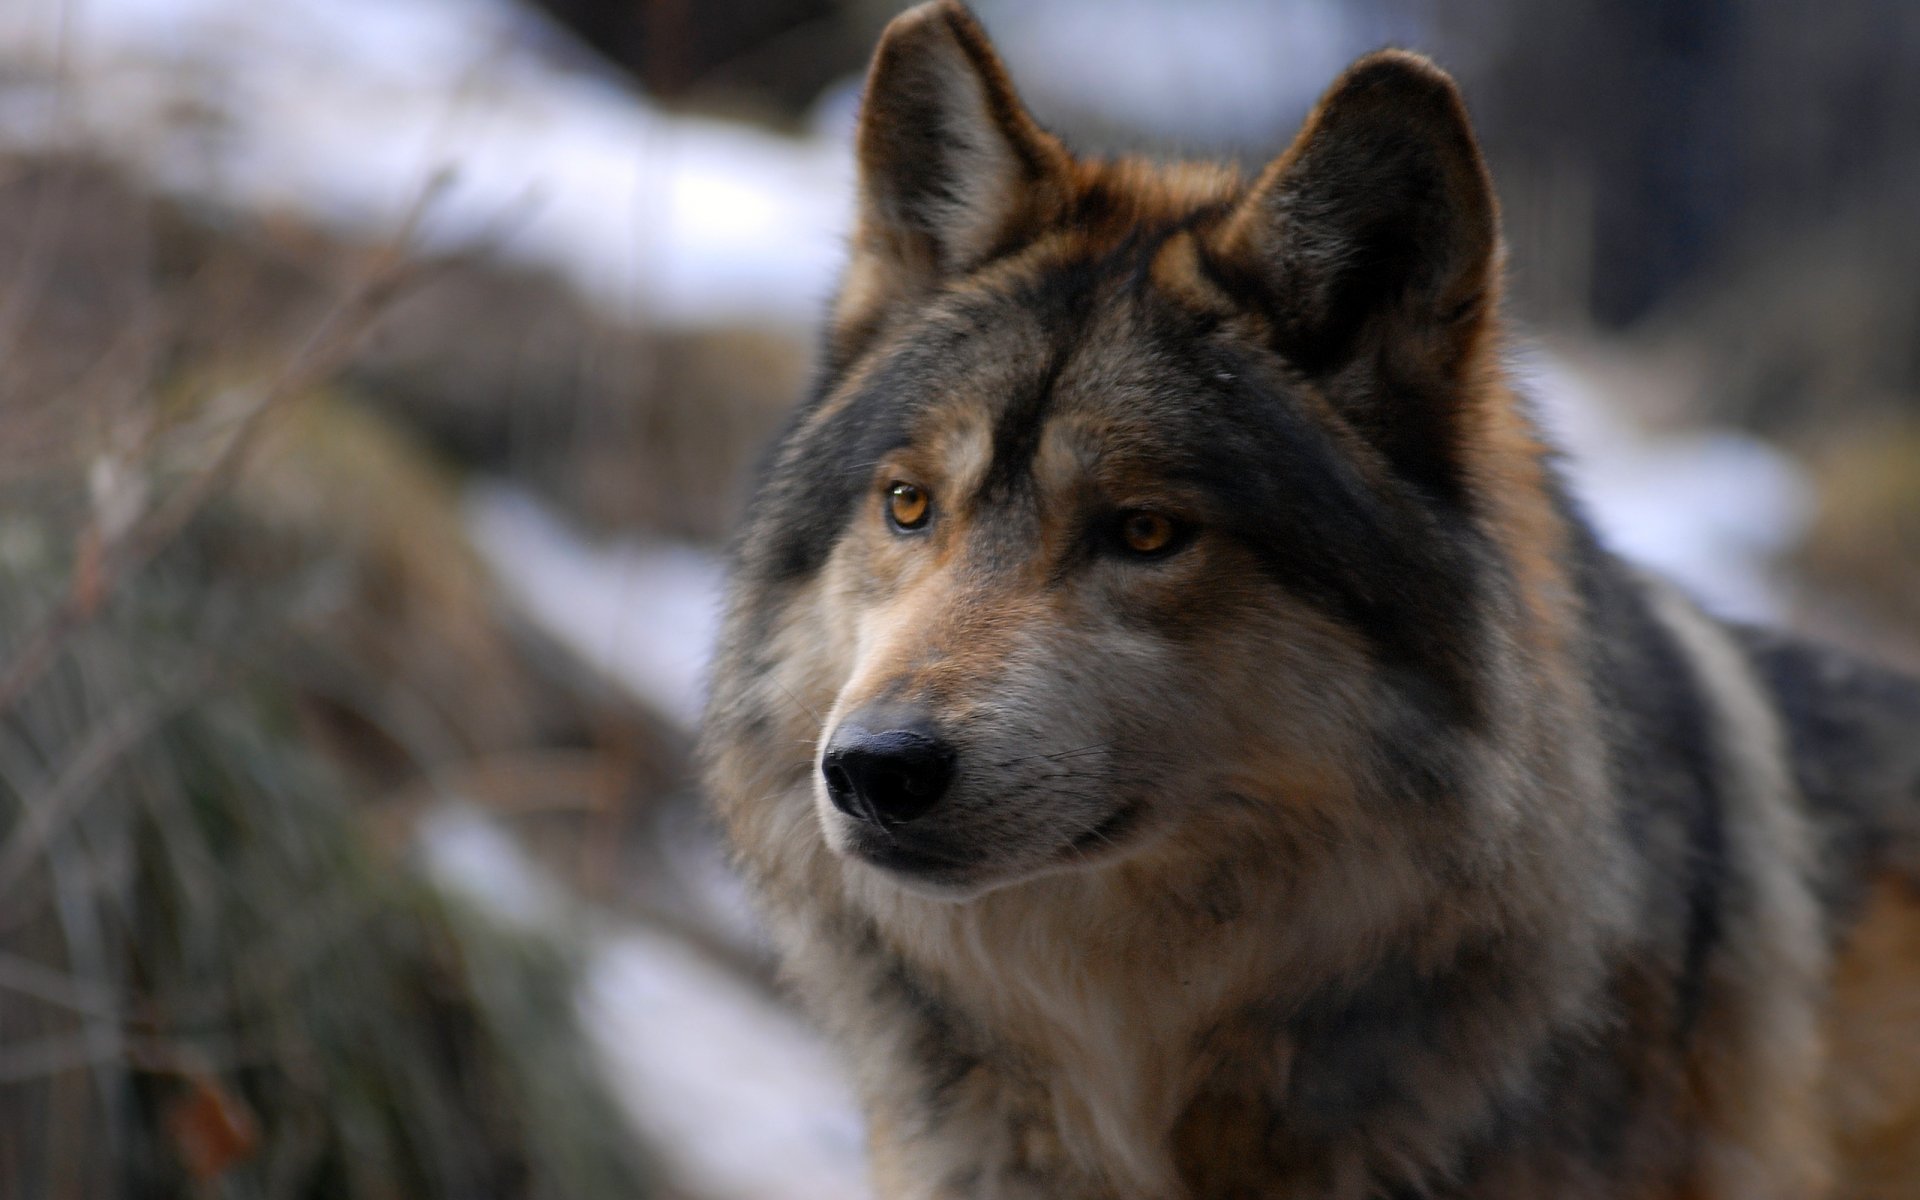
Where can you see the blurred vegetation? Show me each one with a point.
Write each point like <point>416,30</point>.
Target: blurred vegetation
<point>218,977</point>
<point>242,644</point>
<point>623,426</point>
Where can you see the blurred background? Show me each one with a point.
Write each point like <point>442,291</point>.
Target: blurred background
<point>379,380</point>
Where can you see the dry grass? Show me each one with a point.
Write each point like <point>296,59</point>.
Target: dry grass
<point>235,615</point>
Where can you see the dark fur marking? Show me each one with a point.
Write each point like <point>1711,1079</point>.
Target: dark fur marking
<point>1016,433</point>
<point>1853,733</point>
<point>1062,300</point>
<point>1574,1097</point>
<point>945,1050</point>
<point>1222,896</point>
<point>825,464</point>
<point>1352,1037</point>
<point>1286,490</point>
<point>1579,1106</point>
<point>1149,243</point>
<point>1418,752</point>
<point>1665,755</point>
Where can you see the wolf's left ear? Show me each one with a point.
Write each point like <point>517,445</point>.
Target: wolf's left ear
<point>1372,244</point>
<point>952,167</point>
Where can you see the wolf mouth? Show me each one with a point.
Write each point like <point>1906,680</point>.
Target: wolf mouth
<point>891,854</point>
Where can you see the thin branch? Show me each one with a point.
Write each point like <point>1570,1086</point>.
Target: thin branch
<point>321,356</point>
<point>29,978</point>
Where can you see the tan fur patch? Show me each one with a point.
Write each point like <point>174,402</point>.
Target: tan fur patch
<point>1757,1066</point>
<point>1873,1030</point>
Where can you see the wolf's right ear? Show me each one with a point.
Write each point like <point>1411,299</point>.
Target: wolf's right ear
<point>952,167</point>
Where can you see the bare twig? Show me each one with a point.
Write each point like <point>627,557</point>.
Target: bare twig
<point>52,210</point>
<point>323,353</point>
<point>43,983</point>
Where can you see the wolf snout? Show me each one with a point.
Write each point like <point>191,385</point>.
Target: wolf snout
<point>886,771</point>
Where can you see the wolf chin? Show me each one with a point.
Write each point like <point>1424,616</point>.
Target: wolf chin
<point>1187,744</point>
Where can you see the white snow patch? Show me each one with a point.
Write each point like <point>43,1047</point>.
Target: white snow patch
<point>645,613</point>
<point>1711,510</point>
<point>471,855</point>
<point>737,1096</point>
<point>347,111</point>
<point>751,1102</point>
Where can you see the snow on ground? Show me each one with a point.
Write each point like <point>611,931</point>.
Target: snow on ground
<point>1711,508</point>
<point>749,1101</point>
<point>348,111</point>
<point>643,612</point>
<point>738,1098</point>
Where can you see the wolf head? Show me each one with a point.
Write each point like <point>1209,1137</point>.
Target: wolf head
<point>1136,505</point>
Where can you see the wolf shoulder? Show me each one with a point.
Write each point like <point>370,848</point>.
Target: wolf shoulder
<point>1852,732</point>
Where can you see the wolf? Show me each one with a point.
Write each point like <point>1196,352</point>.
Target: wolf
<point>1186,741</point>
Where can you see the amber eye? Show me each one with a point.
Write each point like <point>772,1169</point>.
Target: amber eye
<point>907,505</point>
<point>1146,532</point>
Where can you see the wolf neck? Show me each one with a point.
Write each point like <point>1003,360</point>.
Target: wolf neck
<point>1138,1047</point>
<point>1136,1036</point>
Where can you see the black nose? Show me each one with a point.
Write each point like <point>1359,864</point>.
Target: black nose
<point>890,776</point>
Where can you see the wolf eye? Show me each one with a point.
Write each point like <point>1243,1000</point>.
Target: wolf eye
<point>907,505</point>
<point>1148,533</point>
